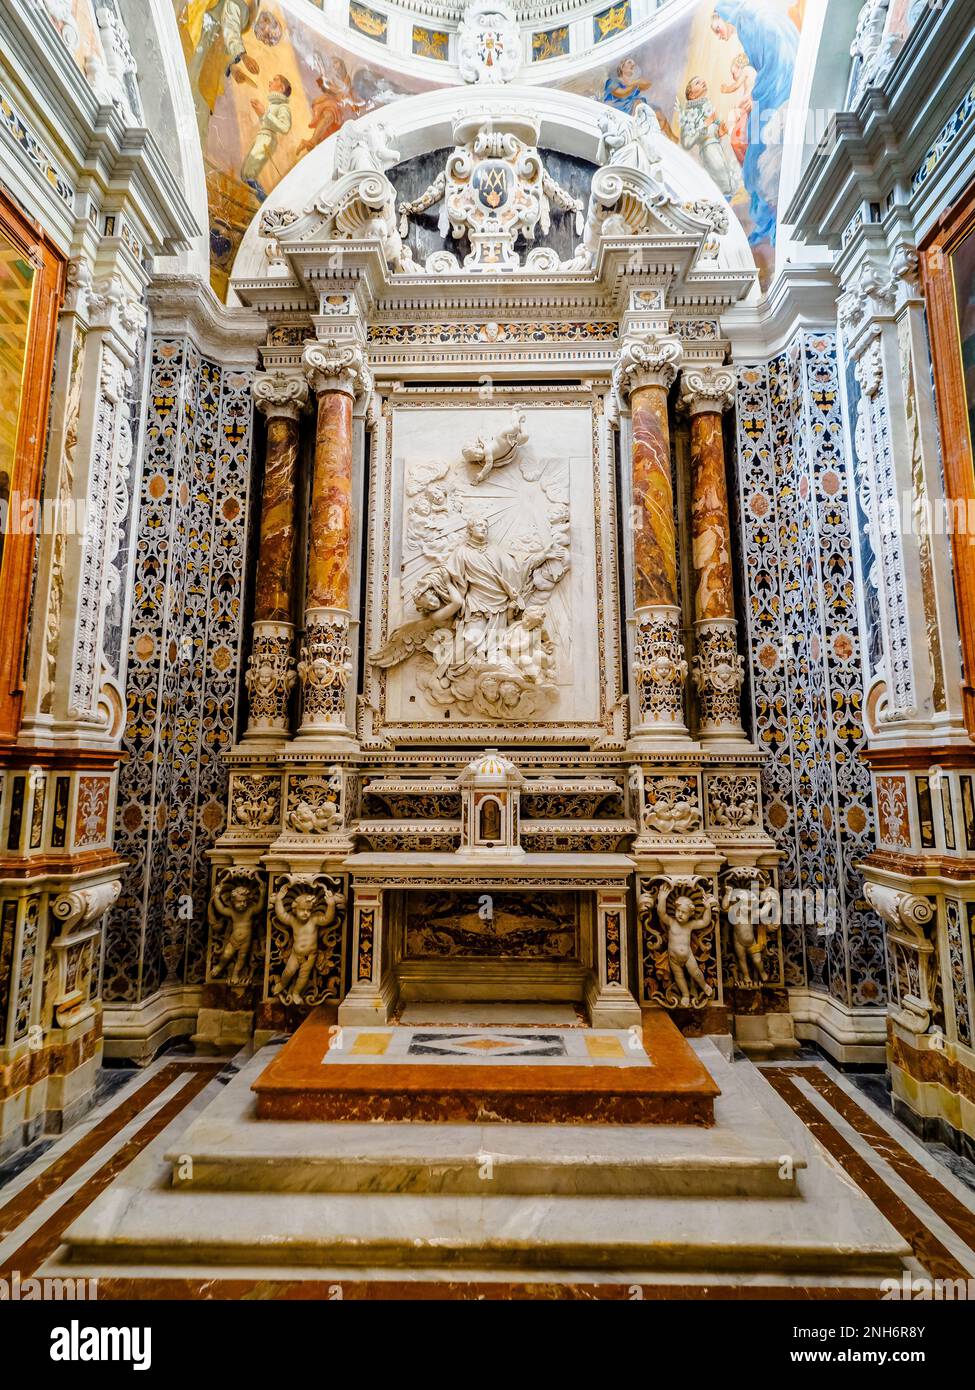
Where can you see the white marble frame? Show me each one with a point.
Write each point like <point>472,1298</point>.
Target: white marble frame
<point>609,731</point>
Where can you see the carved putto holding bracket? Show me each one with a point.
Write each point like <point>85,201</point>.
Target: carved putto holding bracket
<point>494,189</point>
<point>237,899</point>
<point>750,902</point>
<point>305,938</point>
<point>675,909</point>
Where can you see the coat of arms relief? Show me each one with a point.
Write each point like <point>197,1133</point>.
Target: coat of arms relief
<point>495,191</point>
<point>485,554</point>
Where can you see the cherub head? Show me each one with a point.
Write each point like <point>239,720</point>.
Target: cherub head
<point>490,688</point>
<point>241,897</point>
<point>533,617</point>
<point>509,693</point>
<point>684,908</point>
<point>696,88</point>
<point>303,905</point>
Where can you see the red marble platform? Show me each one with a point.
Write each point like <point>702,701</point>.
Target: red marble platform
<point>675,1088</point>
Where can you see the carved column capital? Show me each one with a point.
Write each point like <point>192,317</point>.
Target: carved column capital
<point>650,361</point>
<point>330,366</point>
<point>280,394</point>
<point>707,390</point>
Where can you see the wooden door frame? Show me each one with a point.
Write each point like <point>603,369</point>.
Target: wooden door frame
<point>937,279</point>
<point>17,566</point>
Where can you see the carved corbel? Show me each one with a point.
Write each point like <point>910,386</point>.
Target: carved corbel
<point>905,916</point>
<point>78,913</point>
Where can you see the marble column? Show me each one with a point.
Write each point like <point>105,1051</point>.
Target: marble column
<point>645,372</point>
<point>271,673</point>
<point>717,671</point>
<point>336,374</point>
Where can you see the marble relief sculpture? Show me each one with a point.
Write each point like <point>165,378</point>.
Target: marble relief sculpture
<point>482,629</point>
<point>237,899</point>
<point>675,909</point>
<point>498,452</point>
<point>482,634</point>
<point>303,909</point>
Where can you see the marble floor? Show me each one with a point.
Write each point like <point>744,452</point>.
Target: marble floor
<point>928,1202</point>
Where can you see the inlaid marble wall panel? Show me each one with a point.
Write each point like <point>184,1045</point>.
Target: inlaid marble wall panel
<point>799,533</point>
<point>183,666</point>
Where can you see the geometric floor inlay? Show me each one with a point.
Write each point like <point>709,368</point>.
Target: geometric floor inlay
<point>573,1047</point>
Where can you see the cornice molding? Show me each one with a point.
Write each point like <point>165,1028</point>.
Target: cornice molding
<point>800,297</point>
<point>866,153</point>
<point>186,304</point>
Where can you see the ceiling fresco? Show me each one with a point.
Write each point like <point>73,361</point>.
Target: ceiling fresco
<point>269,83</point>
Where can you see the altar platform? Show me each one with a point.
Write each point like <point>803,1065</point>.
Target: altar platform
<point>483,1074</point>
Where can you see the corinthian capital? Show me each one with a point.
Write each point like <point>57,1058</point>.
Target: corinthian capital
<point>707,390</point>
<point>280,393</point>
<point>651,361</point>
<point>331,366</point>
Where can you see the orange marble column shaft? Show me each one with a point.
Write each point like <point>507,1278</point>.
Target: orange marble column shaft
<point>330,519</point>
<point>710,523</point>
<point>270,674</point>
<point>274,581</point>
<point>337,373</point>
<point>707,390</point>
<point>647,368</point>
<point>654,534</point>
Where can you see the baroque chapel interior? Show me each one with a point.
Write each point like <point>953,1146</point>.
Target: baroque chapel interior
<point>487,654</point>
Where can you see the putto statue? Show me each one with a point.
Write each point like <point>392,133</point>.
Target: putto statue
<point>304,909</point>
<point>238,896</point>
<point>489,43</point>
<point>630,144</point>
<point>358,204</point>
<point>675,909</point>
<point>493,189</point>
<point>752,906</point>
<point>481,631</point>
<point>499,452</point>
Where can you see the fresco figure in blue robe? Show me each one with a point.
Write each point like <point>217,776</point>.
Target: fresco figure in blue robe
<point>770,41</point>
<point>627,88</point>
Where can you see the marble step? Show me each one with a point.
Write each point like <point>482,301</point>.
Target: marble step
<point>169,1227</point>
<point>825,1226</point>
<point>228,1149</point>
